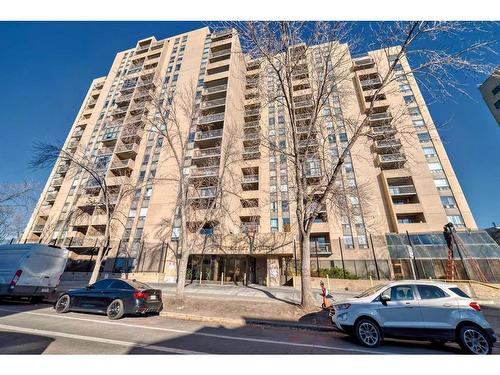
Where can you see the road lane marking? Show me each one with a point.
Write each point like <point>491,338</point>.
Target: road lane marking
<point>204,334</point>
<point>129,344</point>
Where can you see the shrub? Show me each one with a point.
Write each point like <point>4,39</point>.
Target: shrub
<point>336,273</point>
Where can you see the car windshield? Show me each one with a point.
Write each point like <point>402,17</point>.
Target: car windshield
<point>370,291</point>
<point>138,284</point>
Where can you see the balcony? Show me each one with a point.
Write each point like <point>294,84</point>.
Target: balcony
<point>382,131</point>
<point>364,63</point>
<point>386,145</point>
<point>369,84</point>
<point>402,190</point>
<point>303,116</point>
<point>213,103</point>
<point>250,153</point>
<point>208,136</point>
<point>311,142</point>
<point>306,129</point>
<point>51,197</point>
<point>38,228</point>
<point>249,227</point>
<point>391,161</point>
<point>118,165</point>
<point>124,98</point>
<point>127,150</point>
<point>73,144</point>
<point>380,118</point>
<point>223,52</point>
<point>211,118</point>
<point>320,248</point>
<point>250,136</point>
<point>203,193</point>
<point>207,172</point>
<point>149,83</point>
<point>252,112</point>
<point>206,154</point>
<point>379,104</point>
<point>250,179</point>
<point>133,119</point>
<point>251,125</point>
<point>221,34</point>
<point>302,104</point>
<point>131,134</point>
<point>120,111</point>
<point>62,168</point>
<point>57,181</point>
<point>214,89</point>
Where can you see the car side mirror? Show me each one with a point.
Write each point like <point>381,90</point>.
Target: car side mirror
<point>88,287</point>
<point>384,298</point>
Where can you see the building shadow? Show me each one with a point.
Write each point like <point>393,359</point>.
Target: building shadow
<point>22,343</point>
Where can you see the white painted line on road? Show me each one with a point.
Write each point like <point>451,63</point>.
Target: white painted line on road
<point>129,344</point>
<point>238,338</point>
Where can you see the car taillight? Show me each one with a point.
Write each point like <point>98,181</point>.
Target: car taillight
<point>140,295</point>
<point>475,306</point>
<point>15,279</point>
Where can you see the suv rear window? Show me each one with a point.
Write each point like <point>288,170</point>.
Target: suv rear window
<point>459,292</point>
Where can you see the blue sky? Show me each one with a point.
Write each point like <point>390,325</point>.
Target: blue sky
<point>47,68</point>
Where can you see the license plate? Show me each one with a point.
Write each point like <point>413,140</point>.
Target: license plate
<point>153,297</point>
<point>45,290</point>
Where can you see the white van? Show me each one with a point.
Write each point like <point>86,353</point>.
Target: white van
<point>30,270</point>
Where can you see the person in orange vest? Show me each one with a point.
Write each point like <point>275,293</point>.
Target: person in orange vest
<point>324,295</point>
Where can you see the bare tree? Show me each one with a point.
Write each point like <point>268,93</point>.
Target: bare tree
<point>14,198</point>
<point>309,65</point>
<point>101,195</point>
<point>203,191</point>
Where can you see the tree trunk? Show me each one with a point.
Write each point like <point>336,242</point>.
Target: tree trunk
<point>307,300</point>
<point>97,266</point>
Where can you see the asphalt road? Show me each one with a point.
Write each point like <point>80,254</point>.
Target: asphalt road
<point>37,329</point>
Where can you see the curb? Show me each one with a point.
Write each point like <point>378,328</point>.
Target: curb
<point>208,319</point>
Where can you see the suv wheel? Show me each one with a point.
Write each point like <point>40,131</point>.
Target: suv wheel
<point>368,333</point>
<point>473,340</point>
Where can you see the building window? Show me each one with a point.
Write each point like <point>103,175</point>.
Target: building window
<point>456,220</point>
<point>274,225</point>
<point>497,104</point>
<point>435,167</point>
<point>496,90</point>
<point>448,202</point>
<point>423,137</point>
<point>429,151</point>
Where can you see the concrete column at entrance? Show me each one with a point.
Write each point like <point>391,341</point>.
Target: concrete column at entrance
<point>273,272</point>
<point>216,270</point>
<point>170,268</point>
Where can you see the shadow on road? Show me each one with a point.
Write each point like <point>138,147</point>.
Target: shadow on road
<point>22,343</point>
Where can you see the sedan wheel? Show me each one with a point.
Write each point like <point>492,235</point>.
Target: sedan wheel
<point>62,304</point>
<point>474,341</point>
<point>368,333</point>
<point>115,309</point>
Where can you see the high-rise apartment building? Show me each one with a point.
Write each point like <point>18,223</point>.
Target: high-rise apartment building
<point>404,187</point>
<point>490,90</point>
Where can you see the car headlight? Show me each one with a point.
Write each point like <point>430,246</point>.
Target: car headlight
<point>342,306</point>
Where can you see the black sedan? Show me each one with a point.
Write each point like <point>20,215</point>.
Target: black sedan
<point>114,297</point>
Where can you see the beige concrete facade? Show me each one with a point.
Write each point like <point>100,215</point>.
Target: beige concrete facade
<point>490,90</point>
<point>407,179</point>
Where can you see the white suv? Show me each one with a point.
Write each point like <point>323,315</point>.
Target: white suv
<point>417,310</point>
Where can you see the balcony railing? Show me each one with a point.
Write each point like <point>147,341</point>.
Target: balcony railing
<point>206,152</point>
<point>220,53</point>
<point>133,119</point>
<point>320,247</point>
<point>303,116</point>
<point>126,147</point>
<point>252,112</point>
<point>51,196</point>
<point>213,103</point>
<point>382,130</point>
<point>57,181</point>
<point>392,158</point>
<point>363,63</point>
<point>38,228</point>
<point>121,164</point>
<point>105,151</point>
<point>212,89</point>
<point>211,118</point>
<point>123,98</point>
<point>402,190</point>
<point>383,116</point>
<point>208,192</point>
<point>250,178</point>
<point>388,143</point>
<point>249,227</point>
<point>251,124</point>
<point>219,34</point>
<point>217,133</point>
<point>251,150</point>
<point>62,168</point>
<point>205,172</point>
<point>303,104</point>
<point>369,83</point>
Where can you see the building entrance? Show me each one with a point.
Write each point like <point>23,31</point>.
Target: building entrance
<point>229,268</point>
